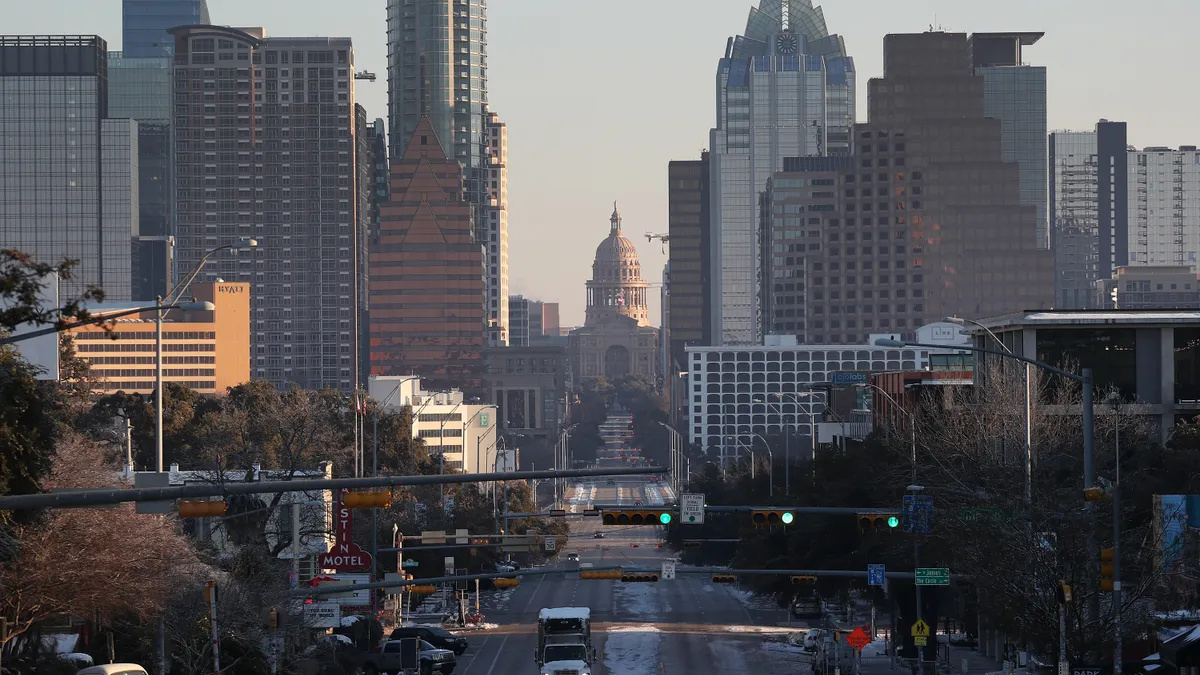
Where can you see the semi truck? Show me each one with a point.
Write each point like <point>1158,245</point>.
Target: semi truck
<point>565,641</point>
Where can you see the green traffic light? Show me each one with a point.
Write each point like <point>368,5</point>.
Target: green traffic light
<point>893,521</point>
<point>664,518</point>
<point>787,518</point>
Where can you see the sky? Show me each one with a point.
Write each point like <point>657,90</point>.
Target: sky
<point>600,96</point>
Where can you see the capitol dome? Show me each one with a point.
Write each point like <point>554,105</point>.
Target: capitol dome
<point>617,287</point>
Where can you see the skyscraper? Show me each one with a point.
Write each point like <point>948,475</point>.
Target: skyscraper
<point>785,88</point>
<point>437,68</point>
<point>924,221</point>
<point>495,237</point>
<point>689,230</point>
<point>426,272</point>
<point>266,148</point>
<point>1014,92</point>
<point>144,25</point>
<point>68,172</point>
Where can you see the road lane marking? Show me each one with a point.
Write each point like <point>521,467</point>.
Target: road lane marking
<point>496,659</point>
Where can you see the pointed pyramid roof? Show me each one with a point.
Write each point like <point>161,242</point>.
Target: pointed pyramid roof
<point>424,143</point>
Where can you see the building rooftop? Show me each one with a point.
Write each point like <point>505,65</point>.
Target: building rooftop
<point>1085,317</point>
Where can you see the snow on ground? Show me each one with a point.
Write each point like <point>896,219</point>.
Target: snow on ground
<point>751,601</point>
<point>640,600</point>
<point>653,496</point>
<point>776,630</point>
<point>476,626</point>
<point>632,650</point>
<point>783,647</point>
<point>499,599</point>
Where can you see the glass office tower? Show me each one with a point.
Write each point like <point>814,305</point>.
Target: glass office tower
<point>785,88</point>
<point>144,24</point>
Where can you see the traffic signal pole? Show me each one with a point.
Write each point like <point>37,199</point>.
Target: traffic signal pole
<point>85,498</point>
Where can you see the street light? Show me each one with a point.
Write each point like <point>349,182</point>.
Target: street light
<point>180,288</point>
<point>1088,406</point>
<point>1028,409</point>
<point>676,445</point>
<point>787,449</point>
<point>480,436</point>
<point>375,472</point>
<point>442,451</point>
<point>159,309</point>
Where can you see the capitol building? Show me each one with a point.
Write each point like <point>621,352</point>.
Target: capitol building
<point>616,337</point>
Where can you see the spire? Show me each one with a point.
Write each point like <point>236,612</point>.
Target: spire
<point>615,221</point>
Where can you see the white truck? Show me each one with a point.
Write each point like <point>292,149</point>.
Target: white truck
<point>565,641</point>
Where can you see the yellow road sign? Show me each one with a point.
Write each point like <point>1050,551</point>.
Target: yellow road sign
<point>920,641</point>
<point>920,629</point>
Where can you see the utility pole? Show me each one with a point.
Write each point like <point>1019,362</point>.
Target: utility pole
<point>210,595</point>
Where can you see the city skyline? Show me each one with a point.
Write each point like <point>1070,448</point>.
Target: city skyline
<point>634,143</point>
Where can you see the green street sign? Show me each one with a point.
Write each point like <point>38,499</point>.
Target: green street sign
<point>933,576</point>
<point>483,419</point>
<point>410,563</point>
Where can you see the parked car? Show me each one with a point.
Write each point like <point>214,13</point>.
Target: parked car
<point>435,635</point>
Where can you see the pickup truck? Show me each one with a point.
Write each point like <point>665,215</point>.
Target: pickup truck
<point>392,659</point>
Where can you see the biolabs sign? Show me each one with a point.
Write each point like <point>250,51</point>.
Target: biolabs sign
<point>346,556</point>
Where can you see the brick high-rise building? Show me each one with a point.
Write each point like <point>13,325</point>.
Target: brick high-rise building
<point>928,220</point>
<point>426,272</point>
<point>265,147</point>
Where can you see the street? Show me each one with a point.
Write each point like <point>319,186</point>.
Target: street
<point>686,625</point>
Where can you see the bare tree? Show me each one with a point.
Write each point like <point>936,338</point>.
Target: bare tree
<point>80,562</point>
<point>971,459</point>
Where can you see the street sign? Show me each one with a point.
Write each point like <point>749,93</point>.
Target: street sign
<point>858,638</point>
<point>691,508</point>
<point>918,514</point>
<point>551,544</point>
<point>323,615</point>
<point>920,641</point>
<point>933,576</point>
<point>668,569</point>
<point>920,629</point>
<point>410,563</point>
<point>876,575</point>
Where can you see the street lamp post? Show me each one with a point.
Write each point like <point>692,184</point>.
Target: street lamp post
<point>1028,409</point>
<point>787,450</point>
<point>479,437</point>
<point>179,289</point>
<point>1089,436</point>
<point>442,452</point>
<point>676,449</point>
<point>159,310</point>
<point>375,472</point>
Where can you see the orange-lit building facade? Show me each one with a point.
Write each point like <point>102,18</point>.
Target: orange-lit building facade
<point>427,273</point>
<point>207,351</point>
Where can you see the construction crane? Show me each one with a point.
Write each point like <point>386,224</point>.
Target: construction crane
<point>364,75</point>
<point>664,238</point>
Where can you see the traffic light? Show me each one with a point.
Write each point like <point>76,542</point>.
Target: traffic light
<point>637,517</point>
<point>506,582</point>
<point>878,521</point>
<point>766,518</point>
<point>691,544</point>
<point>1094,494</point>
<point>1064,593</point>
<point>428,589</point>
<point>367,500</point>
<point>600,574</point>
<point>1106,570</point>
<point>724,579</point>
<point>201,509</point>
<point>650,577</point>
<point>803,579</point>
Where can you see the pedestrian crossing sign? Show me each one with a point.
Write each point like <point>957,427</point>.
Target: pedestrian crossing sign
<point>920,629</point>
